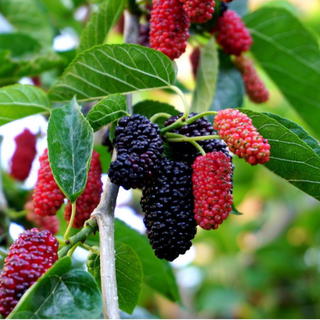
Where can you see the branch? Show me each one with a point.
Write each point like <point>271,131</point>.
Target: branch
<point>104,215</point>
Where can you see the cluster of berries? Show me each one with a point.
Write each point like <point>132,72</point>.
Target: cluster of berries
<point>191,189</point>
<point>24,155</point>
<point>48,198</point>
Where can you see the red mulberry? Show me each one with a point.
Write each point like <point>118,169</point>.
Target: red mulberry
<point>242,138</point>
<point>255,87</point>
<point>212,189</point>
<point>195,61</point>
<point>47,196</point>
<point>90,197</point>
<point>199,11</point>
<point>169,28</point>
<point>231,34</point>
<point>23,156</point>
<point>30,256</point>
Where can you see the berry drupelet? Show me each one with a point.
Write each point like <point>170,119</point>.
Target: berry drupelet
<point>139,149</point>
<point>30,256</point>
<point>255,87</point>
<point>199,11</point>
<point>231,34</point>
<point>185,151</point>
<point>47,196</point>
<point>169,28</point>
<point>90,197</point>
<point>242,138</point>
<point>167,202</point>
<point>212,189</point>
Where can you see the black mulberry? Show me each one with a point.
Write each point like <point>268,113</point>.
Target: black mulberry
<point>139,148</point>
<point>167,201</point>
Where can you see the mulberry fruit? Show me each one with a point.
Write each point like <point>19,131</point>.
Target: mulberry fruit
<point>231,34</point>
<point>169,28</point>
<point>185,151</point>
<point>195,61</point>
<point>212,186</point>
<point>199,11</point>
<point>47,196</point>
<point>223,8</point>
<point>255,88</point>
<point>144,35</point>
<point>30,256</point>
<point>24,155</point>
<point>242,138</point>
<point>167,202</point>
<point>90,197</point>
<point>50,223</point>
<point>139,148</point>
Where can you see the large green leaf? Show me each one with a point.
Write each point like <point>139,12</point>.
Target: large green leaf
<point>98,28</point>
<point>107,110</point>
<point>157,273</point>
<point>109,69</point>
<point>22,55</point>
<point>291,157</point>
<point>19,101</point>
<point>207,76</point>
<point>230,89</point>
<point>128,272</point>
<point>70,145</point>
<point>29,17</point>
<point>61,294</point>
<point>290,55</point>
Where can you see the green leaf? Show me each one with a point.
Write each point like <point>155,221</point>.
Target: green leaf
<point>149,108</point>
<point>107,110</point>
<point>291,157</point>
<point>22,55</point>
<point>290,55</point>
<point>128,272</point>
<point>109,69</point>
<point>206,78</point>
<point>235,211</point>
<point>157,273</point>
<point>98,28</point>
<point>29,17</point>
<point>20,101</point>
<point>70,145</point>
<point>230,89</point>
<point>60,294</point>
<point>241,7</point>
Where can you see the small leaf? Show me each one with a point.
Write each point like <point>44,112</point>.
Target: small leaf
<point>230,89</point>
<point>98,28</point>
<point>19,101</point>
<point>109,69</point>
<point>60,294</point>
<point>128,272</point>
<point>290,55</point>
<point>157,273</point>
<point>206,78</point>
<point>107,110</point>
<point>70,145</point>
<point>235,211</point>
<point>291,157</point>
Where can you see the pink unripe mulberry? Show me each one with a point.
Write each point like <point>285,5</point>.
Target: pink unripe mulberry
<point>199,11</point>
<point>47,196</point>
<point>212,189</point>
<point>242,138</point>
<point>30,256</point>
<point>90,197</point>
<point>169,28</point>
<point>23,156</point>
<point>231,34</point>
<point>255,87</point>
